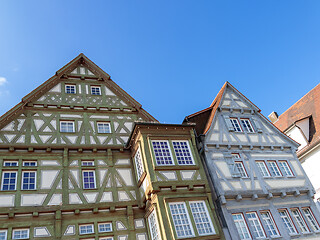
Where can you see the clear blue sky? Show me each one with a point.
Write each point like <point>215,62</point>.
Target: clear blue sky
<point>171,56</point>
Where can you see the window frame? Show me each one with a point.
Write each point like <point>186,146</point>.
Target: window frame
<point>235,128</point>
<point>300,224</point>
<point>16,180</point>
<point>95,86</point>
<point>246,226</point>
<point>154,225</point>
<point>21,229</point>
<point>290,221</point>
<point>6,233</point>
<point>139,163</point>
<point>170,153</point>
<point>188,149</point>
<point>23,177</point>
<point>67,121</point>
<point>312,216</point>
<point>104,223</point>
<point>87,161</point>
<point>253,226</point>
<point>94,178</point>
<point>284,170</point>
<point>277,167</point>
<point>84,225</point>
<point>70,85</point>
<point>265,166</point>
<point>103,122</point>
<point>29,161</point>
<point>10,161</point>
<point>245,127</point>
<point>242,170</point>
<point>273,223</point>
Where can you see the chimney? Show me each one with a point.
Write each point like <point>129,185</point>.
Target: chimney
<point>273,117</point>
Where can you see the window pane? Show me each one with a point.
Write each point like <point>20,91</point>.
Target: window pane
<point>86,229</point>
<point>3,235</point>
<point>301,223</point>
<point>241,226</point>
<point>247,125</point>
<point>235,124</point>
<point>311,219</point>
<point>9,180</point>
<point>104,127</point>
<point>88,179</point>
<point>274,169</point>
<point>271,227</point>
<point>182,152</point>
<point>201,218</point>
<point>95,90</point>
<point>162,152</point>
<point>287,221</point>
<point>181,220</point>
<point>28,180</point>
<point>153,226</point>
<point>255,225</point>
<point>139,164</point>
<point>240,168</point>
<point>263,169</point>
<point>20,234</point>
<point>70,89</point>
<point>67,126</point>
<point>105,227</point>
<point>285,168</point>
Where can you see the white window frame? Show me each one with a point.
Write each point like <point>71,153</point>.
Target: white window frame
<point>241,169</point>
<point>84,163</point>
<point>154,226</point>
<point>272,228</point>
<point>20,229</point>
<point>70,85</point>
<point>170,154</point>
<point>299,220</point>
<point>186,221</point>
<point>104,223</point>
<point>85,225</point>
<point>311,219</point>
<point>246,125</point>
<point>106,238</point>
<point>67,122</point>
<point>286,220</point>
<point>139,164</point>
<point>203,215</point>
<point>256,225</point>
<point>35,180</point>
<point>103,123</point>
<point>235,124</point>
<point>284,166</point>
<point>2,183</point>
<point>10,162</point>
<point>94,86</point>
<point>5,232</point>
<point>264,171</point>
<point>24,163</point>
<point>241,226</point>
<point>183,157</point>
<point>276,173</point>
<point>94,178</point>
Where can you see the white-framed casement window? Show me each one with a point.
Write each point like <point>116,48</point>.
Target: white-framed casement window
<point>299,220</point>
<point>235,124</point>
<point>241,226</point>
<point>87,163</point>
<point>86,229</point>
<point>284,166</point>
<point>254,221</point>
<point>89,179</point>
<point>20,233</point>
<point>3,234</point>
<point>29,163</point>
<point>240,168</point>
<point>28,180</point>
<point>9,180</point>
<point>263,168</point>
<point>201,217</point>
<point>104,127</point>
<point>95,90</point>
<point>70,88</point>
<point>106,238</point>
<point>181,219</point>
<point>154,226</point>
<point>10,163</point>
<point>272,229</point>
<point>311,219</point>
<point>105,227</point>
<point>139,164</point>
<point>67,126</point>
<point>274,169</point>
<point>183,152</point>
<point>287,221</point>
<point>246,124</point>
<point>162,152</point>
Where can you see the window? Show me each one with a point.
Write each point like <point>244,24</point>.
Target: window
<point>9,181</point>
<point>106,238</point>
<point>95,90</point>
<point>181,220</point>
<point>311,219</point>
<point>286,219</point>
<point>104,127</point>
<point>299,219</point>
<point>201,217</point>
<point>105,227</point>
<point>274,169</point>
<point>89,180</point>
<point>28,180</point>
<point>235,124</point>
<point>246,124</point>
<point>154,226</point>
<point>269,222</point>
<point>86,229</point>
<point>70,88</point>
<point>285,168</point>
<point>241,226</point>
<point>66,126</point>
<point>263,168</point>
<point>20,234</point>
<point>87,163</point>
<point>255,224</point>
<point>139,164</point>
<point>162,152</point>
<point>240,168</point>
<point>29,163</point>
<point>3,234</point>
<point>10,163</point>
<point>182,151</point>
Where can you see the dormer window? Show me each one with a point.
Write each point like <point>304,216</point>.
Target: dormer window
<point>70,88</point>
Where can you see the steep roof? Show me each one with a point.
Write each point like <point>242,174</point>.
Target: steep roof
<point>62,73</point>
<point>307,107</point>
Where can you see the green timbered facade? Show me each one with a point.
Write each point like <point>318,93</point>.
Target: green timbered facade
<point>79,159</point>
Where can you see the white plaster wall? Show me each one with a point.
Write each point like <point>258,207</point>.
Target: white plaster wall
<point>297,135</point>
<point>304,126</point>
